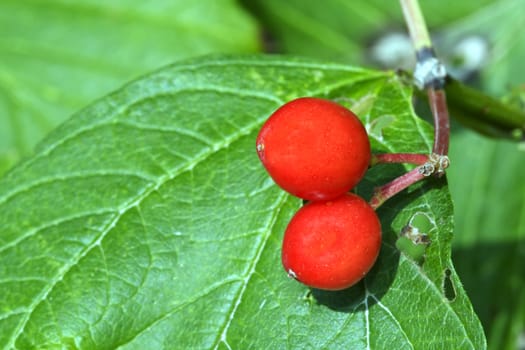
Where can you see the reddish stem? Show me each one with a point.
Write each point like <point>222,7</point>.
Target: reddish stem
<point>431,74</point>
<point>410,158</point>
<point>438,104</point>
<point>381,194</point>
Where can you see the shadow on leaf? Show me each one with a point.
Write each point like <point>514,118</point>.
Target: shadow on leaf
<point>371,289</point>
<point>377,282</point>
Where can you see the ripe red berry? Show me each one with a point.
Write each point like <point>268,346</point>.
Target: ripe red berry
<point>332,244</point>
<point>314,149</point>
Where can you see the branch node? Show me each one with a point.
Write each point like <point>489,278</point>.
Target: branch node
<point>436,165</point>
<point>427,169</point>
<point>429,72</point>
<point>443,163</point>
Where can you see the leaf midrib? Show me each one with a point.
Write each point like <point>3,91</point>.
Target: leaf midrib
<point>222,336</point>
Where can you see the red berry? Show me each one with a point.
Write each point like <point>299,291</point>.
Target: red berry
<point>332,244</point>
<point>314,149</point>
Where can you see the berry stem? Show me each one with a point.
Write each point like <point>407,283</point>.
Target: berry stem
<point>429,74</point>
<point>381,194</point>
<point>438,104</point>
<point>410,158</point>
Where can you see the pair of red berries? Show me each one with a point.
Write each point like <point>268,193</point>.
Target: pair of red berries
<point>318,150</point>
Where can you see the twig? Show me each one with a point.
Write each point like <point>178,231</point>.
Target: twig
<point>429,74</point>
<point>392,188</point>
<point>416,24</point>
<point>438,105</point>
<point>410,158</point>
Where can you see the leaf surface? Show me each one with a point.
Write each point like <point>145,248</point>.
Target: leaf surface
<point>146,221</point>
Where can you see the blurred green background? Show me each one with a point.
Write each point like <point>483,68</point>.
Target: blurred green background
<point>56,56</point>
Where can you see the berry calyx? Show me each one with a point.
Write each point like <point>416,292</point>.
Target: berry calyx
<point>314,148</point>
<point>331,245</point>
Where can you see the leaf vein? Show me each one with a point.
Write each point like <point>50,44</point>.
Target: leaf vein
<point>132,202</point>
<point>251,269</point>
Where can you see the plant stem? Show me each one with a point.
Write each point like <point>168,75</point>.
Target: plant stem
<point>429,74</point>
<point>416,24</point>
<point>483,113</point>
<point>410,158</point>
<point>438,105</point>
<point>381,194</point>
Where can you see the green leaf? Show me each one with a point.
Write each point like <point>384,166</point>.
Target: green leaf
<point>57,55</point>
<point>146,221</point>
<point>486,179</point>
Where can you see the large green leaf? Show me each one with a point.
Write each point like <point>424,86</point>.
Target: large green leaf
<point>489,193</point>
<point>146,221</point>
<point>58,55</point>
